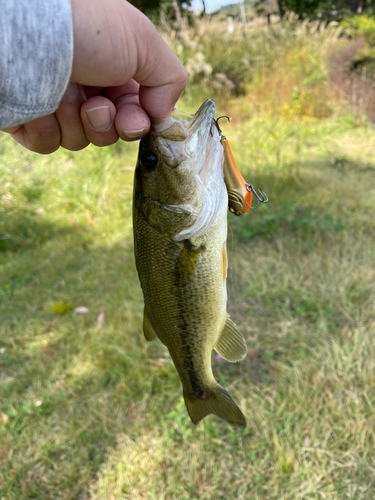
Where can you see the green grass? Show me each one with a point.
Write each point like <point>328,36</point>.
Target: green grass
<point>90,412</point>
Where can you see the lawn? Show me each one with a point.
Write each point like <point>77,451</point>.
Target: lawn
<point>89,410</point>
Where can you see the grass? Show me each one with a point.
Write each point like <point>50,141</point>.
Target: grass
<point>94,412</point>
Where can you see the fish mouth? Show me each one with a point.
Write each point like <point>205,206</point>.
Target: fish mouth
<point>179,140</point>
<point>203,118</point>
<point>202,135</point>
<point>180,130</point>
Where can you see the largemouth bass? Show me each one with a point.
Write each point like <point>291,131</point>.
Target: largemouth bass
<point>180,229</point>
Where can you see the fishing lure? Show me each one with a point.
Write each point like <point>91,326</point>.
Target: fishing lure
<point>240,192</point>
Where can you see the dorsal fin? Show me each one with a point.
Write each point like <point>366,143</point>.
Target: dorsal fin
<point>231,344</point>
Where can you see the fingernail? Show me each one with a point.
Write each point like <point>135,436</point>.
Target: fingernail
<point>99,118</point>
<point>133,134</point>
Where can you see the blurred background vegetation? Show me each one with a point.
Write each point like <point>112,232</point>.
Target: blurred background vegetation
<point>176,9</point>
<point>88,409</point>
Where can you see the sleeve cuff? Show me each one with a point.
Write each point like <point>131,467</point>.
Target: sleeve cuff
<point>36,60</point>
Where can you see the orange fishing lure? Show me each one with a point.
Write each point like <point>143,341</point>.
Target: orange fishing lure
<point>240,193</point>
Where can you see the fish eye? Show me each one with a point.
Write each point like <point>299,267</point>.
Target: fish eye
<point>149,160</point>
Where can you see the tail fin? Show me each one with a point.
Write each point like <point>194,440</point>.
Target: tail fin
<point>218,402</point>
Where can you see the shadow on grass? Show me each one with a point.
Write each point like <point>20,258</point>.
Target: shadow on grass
<point>24,229</point>
<point>82,374</point>
<point>295,205</point>
<point>289,217</point>
<point>70,387</point>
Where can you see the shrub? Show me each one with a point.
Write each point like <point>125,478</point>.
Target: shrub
<point>361,25</point>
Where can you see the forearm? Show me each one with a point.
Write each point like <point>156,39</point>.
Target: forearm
<point>36,40</point>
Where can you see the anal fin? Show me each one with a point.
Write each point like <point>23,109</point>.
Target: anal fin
<point>148,329</point>
<point>231,344</point>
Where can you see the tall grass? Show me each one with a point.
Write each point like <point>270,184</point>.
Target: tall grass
<point>92,411</point>
<point>230,64</point>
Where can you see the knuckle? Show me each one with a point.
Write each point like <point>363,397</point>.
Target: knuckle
<point>76,146</point>
<point>182,79</point>
<point>43,135</point>
<point>43,149</point>
<point>102,141</point>
<point>43,144</point>
<point>11,130</point>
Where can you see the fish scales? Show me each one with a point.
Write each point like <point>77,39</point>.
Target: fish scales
<point>180,229</point>
<point>170,307</point>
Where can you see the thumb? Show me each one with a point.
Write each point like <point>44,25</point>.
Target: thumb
<point>114,42</point>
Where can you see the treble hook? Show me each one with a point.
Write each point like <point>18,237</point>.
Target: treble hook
<point>262,198</point>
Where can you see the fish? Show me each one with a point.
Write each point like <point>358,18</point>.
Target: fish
<point>180,204</point>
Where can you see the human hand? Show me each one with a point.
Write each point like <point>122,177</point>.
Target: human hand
<point>123,72</point>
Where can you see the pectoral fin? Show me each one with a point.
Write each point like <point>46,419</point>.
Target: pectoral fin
<point>148,329</point>
<point>187,262</point>
<point>231,345</point>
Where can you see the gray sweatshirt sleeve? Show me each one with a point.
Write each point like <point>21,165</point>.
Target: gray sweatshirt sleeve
<point>36,40</point>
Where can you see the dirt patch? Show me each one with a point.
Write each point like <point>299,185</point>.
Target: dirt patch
<point>354,76</point>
